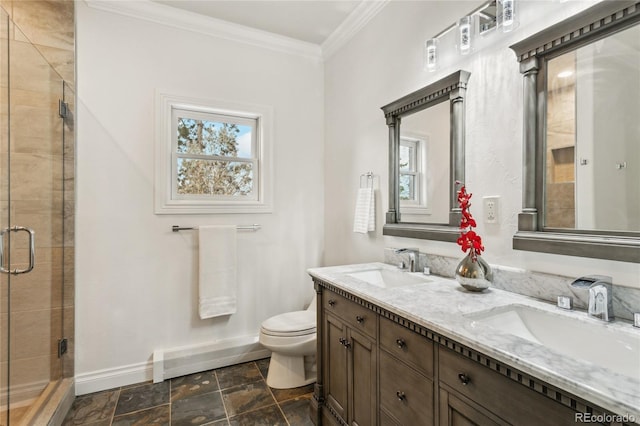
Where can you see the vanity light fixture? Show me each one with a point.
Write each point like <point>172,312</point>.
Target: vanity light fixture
<point>465,34</point>
<point>431,54</point>
<point>565,74</point>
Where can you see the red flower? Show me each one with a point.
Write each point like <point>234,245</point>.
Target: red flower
<point>468,239</point>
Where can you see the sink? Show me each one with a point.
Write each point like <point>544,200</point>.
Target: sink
<point>387,278</point>
<point>608,346</point>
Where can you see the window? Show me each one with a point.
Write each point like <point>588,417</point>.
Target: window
<point>212,157</point>
<point>413,187</point>
<point>409,171</point>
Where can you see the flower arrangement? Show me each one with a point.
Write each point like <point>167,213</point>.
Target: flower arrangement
<point>468,239</point>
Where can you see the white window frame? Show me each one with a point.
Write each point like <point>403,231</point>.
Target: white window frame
<point>167,200</point>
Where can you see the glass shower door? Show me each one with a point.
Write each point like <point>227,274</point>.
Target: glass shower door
<point>31,227</point>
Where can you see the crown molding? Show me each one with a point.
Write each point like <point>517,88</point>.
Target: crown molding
<point>185,20</point>
<point>357,19</point>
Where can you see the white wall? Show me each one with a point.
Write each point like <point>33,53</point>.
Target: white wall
<point>136,280</point>
<point>384,62</point>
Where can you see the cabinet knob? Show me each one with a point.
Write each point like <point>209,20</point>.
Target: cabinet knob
<point>344,342</point>
<point>464,379</point>
<point>401,396</point>
<point>359,319</point>
<point>331,302</point>
<point>401,343</point>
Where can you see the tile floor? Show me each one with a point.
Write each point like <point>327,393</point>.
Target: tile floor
<point>232,396</point>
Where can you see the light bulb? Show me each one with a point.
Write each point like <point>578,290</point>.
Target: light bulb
<point>431,54</point>
<point>464,35</point>
<point>508,15</point>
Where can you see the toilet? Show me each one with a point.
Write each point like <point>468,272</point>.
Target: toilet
<point>291,338</point>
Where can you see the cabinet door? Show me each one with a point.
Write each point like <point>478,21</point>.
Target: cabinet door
<point>335,366</point>
<point>455,412</point>
<point>500,395</point>
<point>405,393</point>
<point>362,379</point>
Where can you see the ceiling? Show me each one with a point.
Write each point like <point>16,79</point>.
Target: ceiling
<point>311,21</point>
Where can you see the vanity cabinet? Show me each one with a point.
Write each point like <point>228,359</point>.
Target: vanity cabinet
<point>377,368</point>
<point>350,365</point>
<point>471,393</point>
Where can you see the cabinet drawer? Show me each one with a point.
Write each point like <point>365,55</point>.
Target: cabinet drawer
<point>504,397</point>
<point>405,394</point>
<point>407,346</point>
<point>359,317</point>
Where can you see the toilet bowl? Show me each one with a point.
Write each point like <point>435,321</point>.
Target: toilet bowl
<point>291,338</point>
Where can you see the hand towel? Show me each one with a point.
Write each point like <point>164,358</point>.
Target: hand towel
<point>365,216</point>
<point>217,271</point>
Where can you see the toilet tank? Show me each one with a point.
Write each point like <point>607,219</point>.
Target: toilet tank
<point>312,305</point>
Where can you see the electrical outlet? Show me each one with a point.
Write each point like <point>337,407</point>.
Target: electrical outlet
<point>491,209</point>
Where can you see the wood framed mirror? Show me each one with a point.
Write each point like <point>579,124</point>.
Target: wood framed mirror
<point>426,158</point>
<point>581,135</point>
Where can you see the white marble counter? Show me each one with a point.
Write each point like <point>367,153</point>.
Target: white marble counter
<point>442,306</point>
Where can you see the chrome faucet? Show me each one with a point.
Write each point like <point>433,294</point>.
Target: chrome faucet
<point>600,295</point>
<point>413,258</point>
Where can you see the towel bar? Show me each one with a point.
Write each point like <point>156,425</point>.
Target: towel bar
<point>368,179</point>
<point>254,227</point>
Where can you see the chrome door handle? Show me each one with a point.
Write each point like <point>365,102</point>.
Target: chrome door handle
<point>32,250</point>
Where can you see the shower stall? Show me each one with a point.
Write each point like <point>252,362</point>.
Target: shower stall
<point>36,228</point>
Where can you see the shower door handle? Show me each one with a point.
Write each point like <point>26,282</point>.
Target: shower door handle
<point>32,250</point>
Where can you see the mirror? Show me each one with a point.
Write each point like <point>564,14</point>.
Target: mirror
<point>581,136</point>
<point>593,148</point>
<point>424,165</point>
<point>426,157</point>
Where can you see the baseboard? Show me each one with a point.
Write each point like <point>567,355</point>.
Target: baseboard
<point>174,362</point>
<point>110,378</point>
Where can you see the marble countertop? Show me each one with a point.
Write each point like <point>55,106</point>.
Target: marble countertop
<point>443,306</point>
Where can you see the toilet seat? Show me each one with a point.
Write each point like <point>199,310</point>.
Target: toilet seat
<point>290,324</point>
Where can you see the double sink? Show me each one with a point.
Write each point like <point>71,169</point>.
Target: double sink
<point>615,347</point>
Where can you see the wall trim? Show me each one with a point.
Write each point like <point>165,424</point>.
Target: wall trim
<point>190,21</point>
<point>356,20</point>
<point>183,360</point>
<point>110,378</point>
<point>174,362</point>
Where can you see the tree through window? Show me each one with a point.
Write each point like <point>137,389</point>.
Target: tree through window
<point>214,155</point>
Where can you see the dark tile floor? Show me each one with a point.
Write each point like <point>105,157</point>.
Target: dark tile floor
<point>232,396</point>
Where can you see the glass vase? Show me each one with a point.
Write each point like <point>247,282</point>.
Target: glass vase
<point>473,273</point>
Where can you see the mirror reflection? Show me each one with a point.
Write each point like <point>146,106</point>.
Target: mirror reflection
<point>593,136</point>
<point>424,165</point>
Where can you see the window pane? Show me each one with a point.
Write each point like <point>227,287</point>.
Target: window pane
<point>207,137</point>
<point>407,187</point>
<point>405,158</point>
<point>203,177</point>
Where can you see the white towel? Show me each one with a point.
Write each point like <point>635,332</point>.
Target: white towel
<point>365,217</point>
<point>217,280</point>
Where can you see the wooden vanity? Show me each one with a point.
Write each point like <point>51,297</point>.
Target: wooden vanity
<point>376,367</point>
